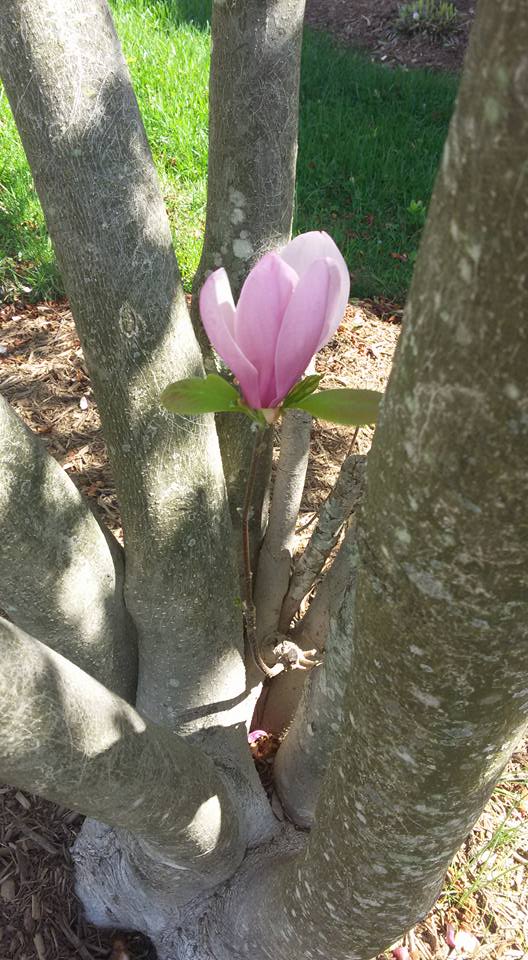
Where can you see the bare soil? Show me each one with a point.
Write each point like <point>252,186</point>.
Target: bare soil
<point>43,375</point>
<point>371,25</point>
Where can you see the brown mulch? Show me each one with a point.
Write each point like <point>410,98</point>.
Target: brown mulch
<point>43,376</point>
<point>40,916</point>
<point>360,355</point>
<point>489,875</point>
<point>372,26</point>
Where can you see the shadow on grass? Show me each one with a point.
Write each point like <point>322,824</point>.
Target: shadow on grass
<point>370,142</point>
<point>196,12</point>
<point>26,255</point>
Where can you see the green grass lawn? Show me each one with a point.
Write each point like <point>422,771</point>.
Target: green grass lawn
<point>370,142</point>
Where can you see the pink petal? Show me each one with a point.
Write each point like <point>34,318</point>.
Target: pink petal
<point>465,941</point>
<point>300,254</point>
<point>217,311</point>
<point>259,315</point>
<point>450,935</point>
<point>401,953</point>
<point>256,735</point>
<point>305,320</point>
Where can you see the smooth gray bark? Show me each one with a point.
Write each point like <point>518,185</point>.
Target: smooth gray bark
<point>253,123</point>
<point>316,707</point>
<point>312,633</point>
<point>61,573</point>
<point>75,109</point>
<point>66,737</point>
<point>273,571</point>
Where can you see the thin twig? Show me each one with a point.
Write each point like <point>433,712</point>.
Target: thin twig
<point>353,441</point>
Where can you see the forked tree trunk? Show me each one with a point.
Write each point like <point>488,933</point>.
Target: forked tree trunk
<point>72,99</point>
<point>423,722</point>
<point>73,102</point>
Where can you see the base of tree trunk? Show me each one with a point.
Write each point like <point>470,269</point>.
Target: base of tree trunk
<point>116,891</point>
<point>109,884</point>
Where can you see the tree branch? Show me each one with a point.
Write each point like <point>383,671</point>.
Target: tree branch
<point>312,633</point>
<point>314,628</point>
<point>259,448</point>
<point>273,571</point>
<point>303,698</point>
<point>343,499</point>
<point>61,573</point>
<point>253,123</point>
<point>302,760</point>
<point>66,737</point>
<point>69,87</point>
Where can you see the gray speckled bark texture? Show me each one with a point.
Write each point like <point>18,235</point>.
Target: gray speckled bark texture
<point>312,633</point>
<point>61,573</point>
<point>302,759</point>
<point>68,738</point>
<point>253,97</point>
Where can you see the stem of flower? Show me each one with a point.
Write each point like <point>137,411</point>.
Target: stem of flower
<point>249,605</point>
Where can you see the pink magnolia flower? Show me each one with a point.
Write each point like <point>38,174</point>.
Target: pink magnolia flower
<point>289,306</point>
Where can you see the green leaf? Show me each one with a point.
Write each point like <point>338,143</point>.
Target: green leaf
<point>302,390</point>
<point>255,415</point>
<point>352,407</point>
<point>211,394</point>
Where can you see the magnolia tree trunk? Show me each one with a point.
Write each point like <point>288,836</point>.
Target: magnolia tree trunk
<point>402,732</point>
